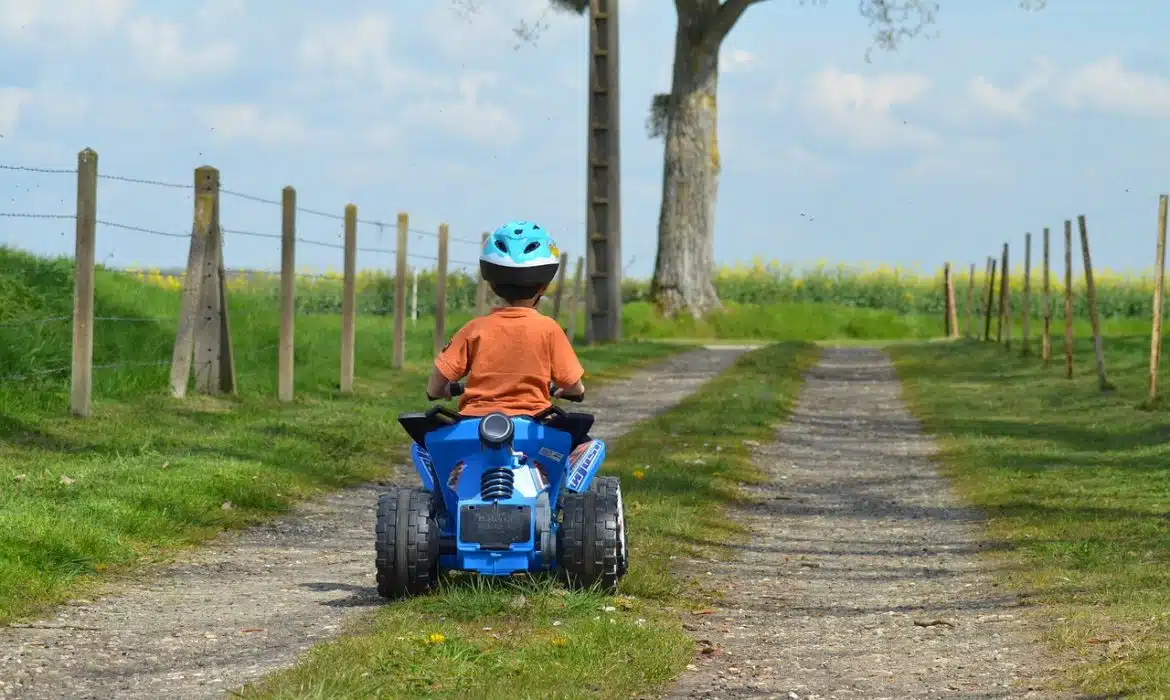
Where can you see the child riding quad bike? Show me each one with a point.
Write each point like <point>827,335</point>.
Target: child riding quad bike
<point>509,483</point>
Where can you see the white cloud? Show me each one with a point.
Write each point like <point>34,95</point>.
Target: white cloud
<point>965,159</point>
<point>469,116</point>
<point>163,51</point>
<point>1103,86</point>
<point>215,12</point>
<point>355,51</point>
<point>13,100</point>
<point>1011,103</point>
<point>1107,86</point>
<point>859,107</point>
<point>40,20</point>
<point>736,61</point>
<point>251,122</point>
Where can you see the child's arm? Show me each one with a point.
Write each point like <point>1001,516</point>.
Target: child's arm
<point>438,386</point>
<point>575,390</point>
<point>451,365</point>
<point>566,368</point>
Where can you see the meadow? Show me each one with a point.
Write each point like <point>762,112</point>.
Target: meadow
<point>1073,479</point>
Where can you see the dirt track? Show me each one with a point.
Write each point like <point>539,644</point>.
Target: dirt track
<point>249,603</point>
<point>862,579</point>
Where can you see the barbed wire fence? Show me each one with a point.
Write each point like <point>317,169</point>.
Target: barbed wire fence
<point>34,344</point>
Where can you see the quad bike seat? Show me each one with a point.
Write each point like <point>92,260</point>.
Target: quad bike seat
<point>418,425</point>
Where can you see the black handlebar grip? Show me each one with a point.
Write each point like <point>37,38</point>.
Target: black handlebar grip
<point>552,389</point>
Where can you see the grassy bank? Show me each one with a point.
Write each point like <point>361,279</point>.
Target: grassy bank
<point>82,499</point>
<point>494,639</point>
<point>1077,485</point>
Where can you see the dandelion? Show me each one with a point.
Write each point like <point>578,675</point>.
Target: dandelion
<point>639,474</point>
<point>559,642</point>
<point>436,638</point>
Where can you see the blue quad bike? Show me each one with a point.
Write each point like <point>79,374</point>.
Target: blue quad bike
<point>501,495</point>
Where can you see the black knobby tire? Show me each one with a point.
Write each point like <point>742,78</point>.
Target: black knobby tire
<point>611,488</point>
<point>406,543</point>
<point>590,538</point>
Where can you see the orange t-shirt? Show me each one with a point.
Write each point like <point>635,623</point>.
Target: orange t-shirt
<point>509,357</point>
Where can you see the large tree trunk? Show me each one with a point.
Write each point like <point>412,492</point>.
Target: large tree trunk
<point>684,269</point>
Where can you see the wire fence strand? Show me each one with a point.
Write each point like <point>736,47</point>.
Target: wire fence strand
<point>140,229</point>
<point>56,319</point>
<point>143,181</point>
<point>35,169</point>
<point>33,215</point>
<point>34,374</point>
<point>381,225</point>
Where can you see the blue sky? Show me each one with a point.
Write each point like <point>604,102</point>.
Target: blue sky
<point>1005,122</point>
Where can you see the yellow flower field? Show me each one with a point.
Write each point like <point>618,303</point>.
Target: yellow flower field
<point>896,288</point>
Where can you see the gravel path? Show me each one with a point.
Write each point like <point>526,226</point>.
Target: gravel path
<point>250,602</point>
<point>862,579</point>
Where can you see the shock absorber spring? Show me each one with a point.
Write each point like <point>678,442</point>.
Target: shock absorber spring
<point>496,484</point>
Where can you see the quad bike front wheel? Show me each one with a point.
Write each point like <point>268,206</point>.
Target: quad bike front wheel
<point>592,537</point>
<point>406,542</point>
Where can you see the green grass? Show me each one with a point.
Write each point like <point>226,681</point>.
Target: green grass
<point>83,499</point>
<point>1077,486</point>
<point>804,321</point>
<point>525,638</point>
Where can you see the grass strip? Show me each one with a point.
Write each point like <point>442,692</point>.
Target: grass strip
<point>1075,482</point>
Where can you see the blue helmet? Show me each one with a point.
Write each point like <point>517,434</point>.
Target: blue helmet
<point>519,253</point>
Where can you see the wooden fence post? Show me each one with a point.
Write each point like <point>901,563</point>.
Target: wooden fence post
<point>81,388</point>
<point>1046,341</point>
<point>575,298</point>
<point>990,299</point>
<point>204,338</point>
<point>441,291</point>
<point>971,302</point>
<point>192,286</point>
<point>481,288</point>
<point>288,293</point>
<point>558,296</point>
<point>1004,316</point>
<point>413,295</point>
<point>1027,305</point>
<point>1068,305</point>
<point>951,323</point>
<point>1159,283</point>
<point>398,358</point>
<point>1094,316</point>
<point>348,300</point>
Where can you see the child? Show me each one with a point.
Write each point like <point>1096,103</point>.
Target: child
<point>512,354</point>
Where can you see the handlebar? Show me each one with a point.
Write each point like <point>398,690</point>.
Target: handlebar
<point>453,388</point>
<point>575,398</point>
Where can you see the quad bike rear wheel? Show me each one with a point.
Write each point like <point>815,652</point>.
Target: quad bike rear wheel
<point>611,486</point>
<point>591,541</point>
<point>406,542</point>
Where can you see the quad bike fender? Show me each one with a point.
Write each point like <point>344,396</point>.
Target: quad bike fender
<point>583,465</point>
<point>424,466</point>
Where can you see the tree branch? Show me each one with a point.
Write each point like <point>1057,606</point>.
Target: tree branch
<point>725,18</point>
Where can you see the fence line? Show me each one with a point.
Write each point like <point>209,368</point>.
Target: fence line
<point>203,345</point>
<point>1004,311</point>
